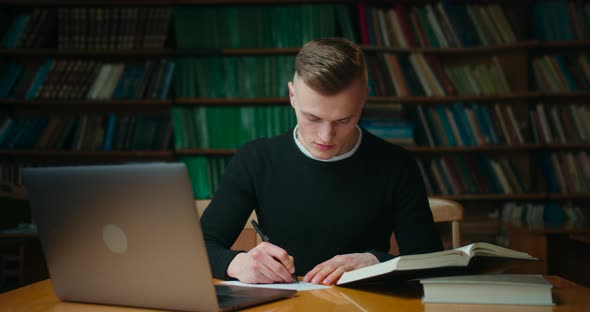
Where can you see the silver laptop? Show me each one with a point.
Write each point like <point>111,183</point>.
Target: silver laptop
<point>129,235</point>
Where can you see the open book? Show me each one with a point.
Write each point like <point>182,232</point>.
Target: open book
<point>474,258</point>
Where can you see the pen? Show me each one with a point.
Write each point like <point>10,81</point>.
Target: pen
<point>265,238</point>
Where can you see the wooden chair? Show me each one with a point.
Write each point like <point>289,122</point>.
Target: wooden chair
<point>247,240</point>
<point>443,210</point>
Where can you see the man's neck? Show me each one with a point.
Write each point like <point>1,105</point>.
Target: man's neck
<point>350,151</point>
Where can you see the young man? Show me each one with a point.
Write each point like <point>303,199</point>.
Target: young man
<point>328,194</point>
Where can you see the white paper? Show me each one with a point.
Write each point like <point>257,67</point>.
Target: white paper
<point>294,286</point>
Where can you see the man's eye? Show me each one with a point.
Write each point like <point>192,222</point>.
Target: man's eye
<point>344,121</point>
<point>310,118</point>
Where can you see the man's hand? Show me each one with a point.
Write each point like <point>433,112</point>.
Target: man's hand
<point>264,264</point>
<point>328,272</point>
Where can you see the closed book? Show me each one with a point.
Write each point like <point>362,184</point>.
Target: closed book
<point>519,289</point>
<point>478,257</point>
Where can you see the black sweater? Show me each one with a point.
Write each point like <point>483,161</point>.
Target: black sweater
<point>316,210</point>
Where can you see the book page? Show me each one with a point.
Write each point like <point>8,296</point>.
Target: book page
<point>293,286</point>
<point>487,249</point>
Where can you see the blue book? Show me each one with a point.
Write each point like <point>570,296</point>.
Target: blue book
<point>442,115</point>
<point>553,213</point>
<point>168,75</point>
<point>123,83</point>
<point>30,135</point>
<point>566,72</point>
<point>7,130</point>
<point>109,132</point>
<point>489,174</point>
<point>462,24</point>
<point>38,80</point>
<point>15,32</point>
<point>446,180</point>
<point>489,124</point>
<point>9,78</point>
<point>548,174</point>
<point>465,131</point>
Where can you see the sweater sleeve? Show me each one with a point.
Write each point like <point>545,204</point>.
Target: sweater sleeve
<point>413,223</point>
<point>226,215</point>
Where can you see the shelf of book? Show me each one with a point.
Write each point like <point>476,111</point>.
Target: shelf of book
<point>464,50</point>
<point>497,197</point>
<point>487,149</point>
<point>68,3</point>
<point>85,105</point>
<point>232,101</point>
<point>202,90</point>
<point>514,96</point>
<point>205,152</point>
<point>85,53</point>
<point>101,156</point>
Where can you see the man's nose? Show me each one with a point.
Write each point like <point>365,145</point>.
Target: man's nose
<point>326,132</point>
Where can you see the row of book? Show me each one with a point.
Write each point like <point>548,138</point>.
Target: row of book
<point>205,173</point>
<point>27,30</point>
<point>397,132</point>
<point>437,25</point>
<point>86,79</point>
<point>228,127</point>
<point>562,72</point>
<point>388,121</point>
<point>423,75</point>
<point>105,28</point>
<point>87,132</point>
<point>538,215</point>
<point>255,26</point>
<point>560,123</point>
<point>453,175</point>
<point>461,124</point>
<point>561,19</point>
<point>566,172</point>
<point>234,76</point>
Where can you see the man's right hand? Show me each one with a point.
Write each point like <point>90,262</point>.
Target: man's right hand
<point>263,264</point>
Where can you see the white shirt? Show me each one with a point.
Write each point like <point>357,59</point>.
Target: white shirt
<point>335,158</point>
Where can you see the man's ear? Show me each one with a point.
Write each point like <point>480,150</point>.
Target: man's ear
<point>291,93</point>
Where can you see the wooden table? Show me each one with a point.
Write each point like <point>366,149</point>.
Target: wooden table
<point>39,297</point>
<point>565,250</point>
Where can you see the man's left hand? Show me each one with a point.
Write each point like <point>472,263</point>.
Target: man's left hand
<point>328,272</point>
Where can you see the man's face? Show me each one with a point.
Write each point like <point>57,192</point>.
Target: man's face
<point>327,124</point>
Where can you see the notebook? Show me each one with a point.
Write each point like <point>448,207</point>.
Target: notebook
<point>129,235</point>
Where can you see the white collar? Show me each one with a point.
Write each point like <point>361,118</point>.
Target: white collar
<point>335,158</point>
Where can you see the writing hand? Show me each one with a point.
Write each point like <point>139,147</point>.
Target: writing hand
<point>264,264</point>
<point>328,272</point>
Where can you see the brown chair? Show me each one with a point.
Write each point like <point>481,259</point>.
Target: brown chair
<point>247,240</point>
<point>443,210</point>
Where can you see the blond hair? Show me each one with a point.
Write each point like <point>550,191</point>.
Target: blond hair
<point>329,65</point>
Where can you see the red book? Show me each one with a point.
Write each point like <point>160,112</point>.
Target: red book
<point>364,31</point>
<point>403,19</point>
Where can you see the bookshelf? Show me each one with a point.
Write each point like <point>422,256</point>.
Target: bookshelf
<point>218,53</point>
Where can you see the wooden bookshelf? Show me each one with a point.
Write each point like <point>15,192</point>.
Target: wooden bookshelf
<point>73,156</point>
<point>514,60</point>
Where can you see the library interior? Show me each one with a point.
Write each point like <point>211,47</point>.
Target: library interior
<point>491,98</point>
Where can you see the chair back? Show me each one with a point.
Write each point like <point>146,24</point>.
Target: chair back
<point>445,210</point>
<point>247,239</point>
